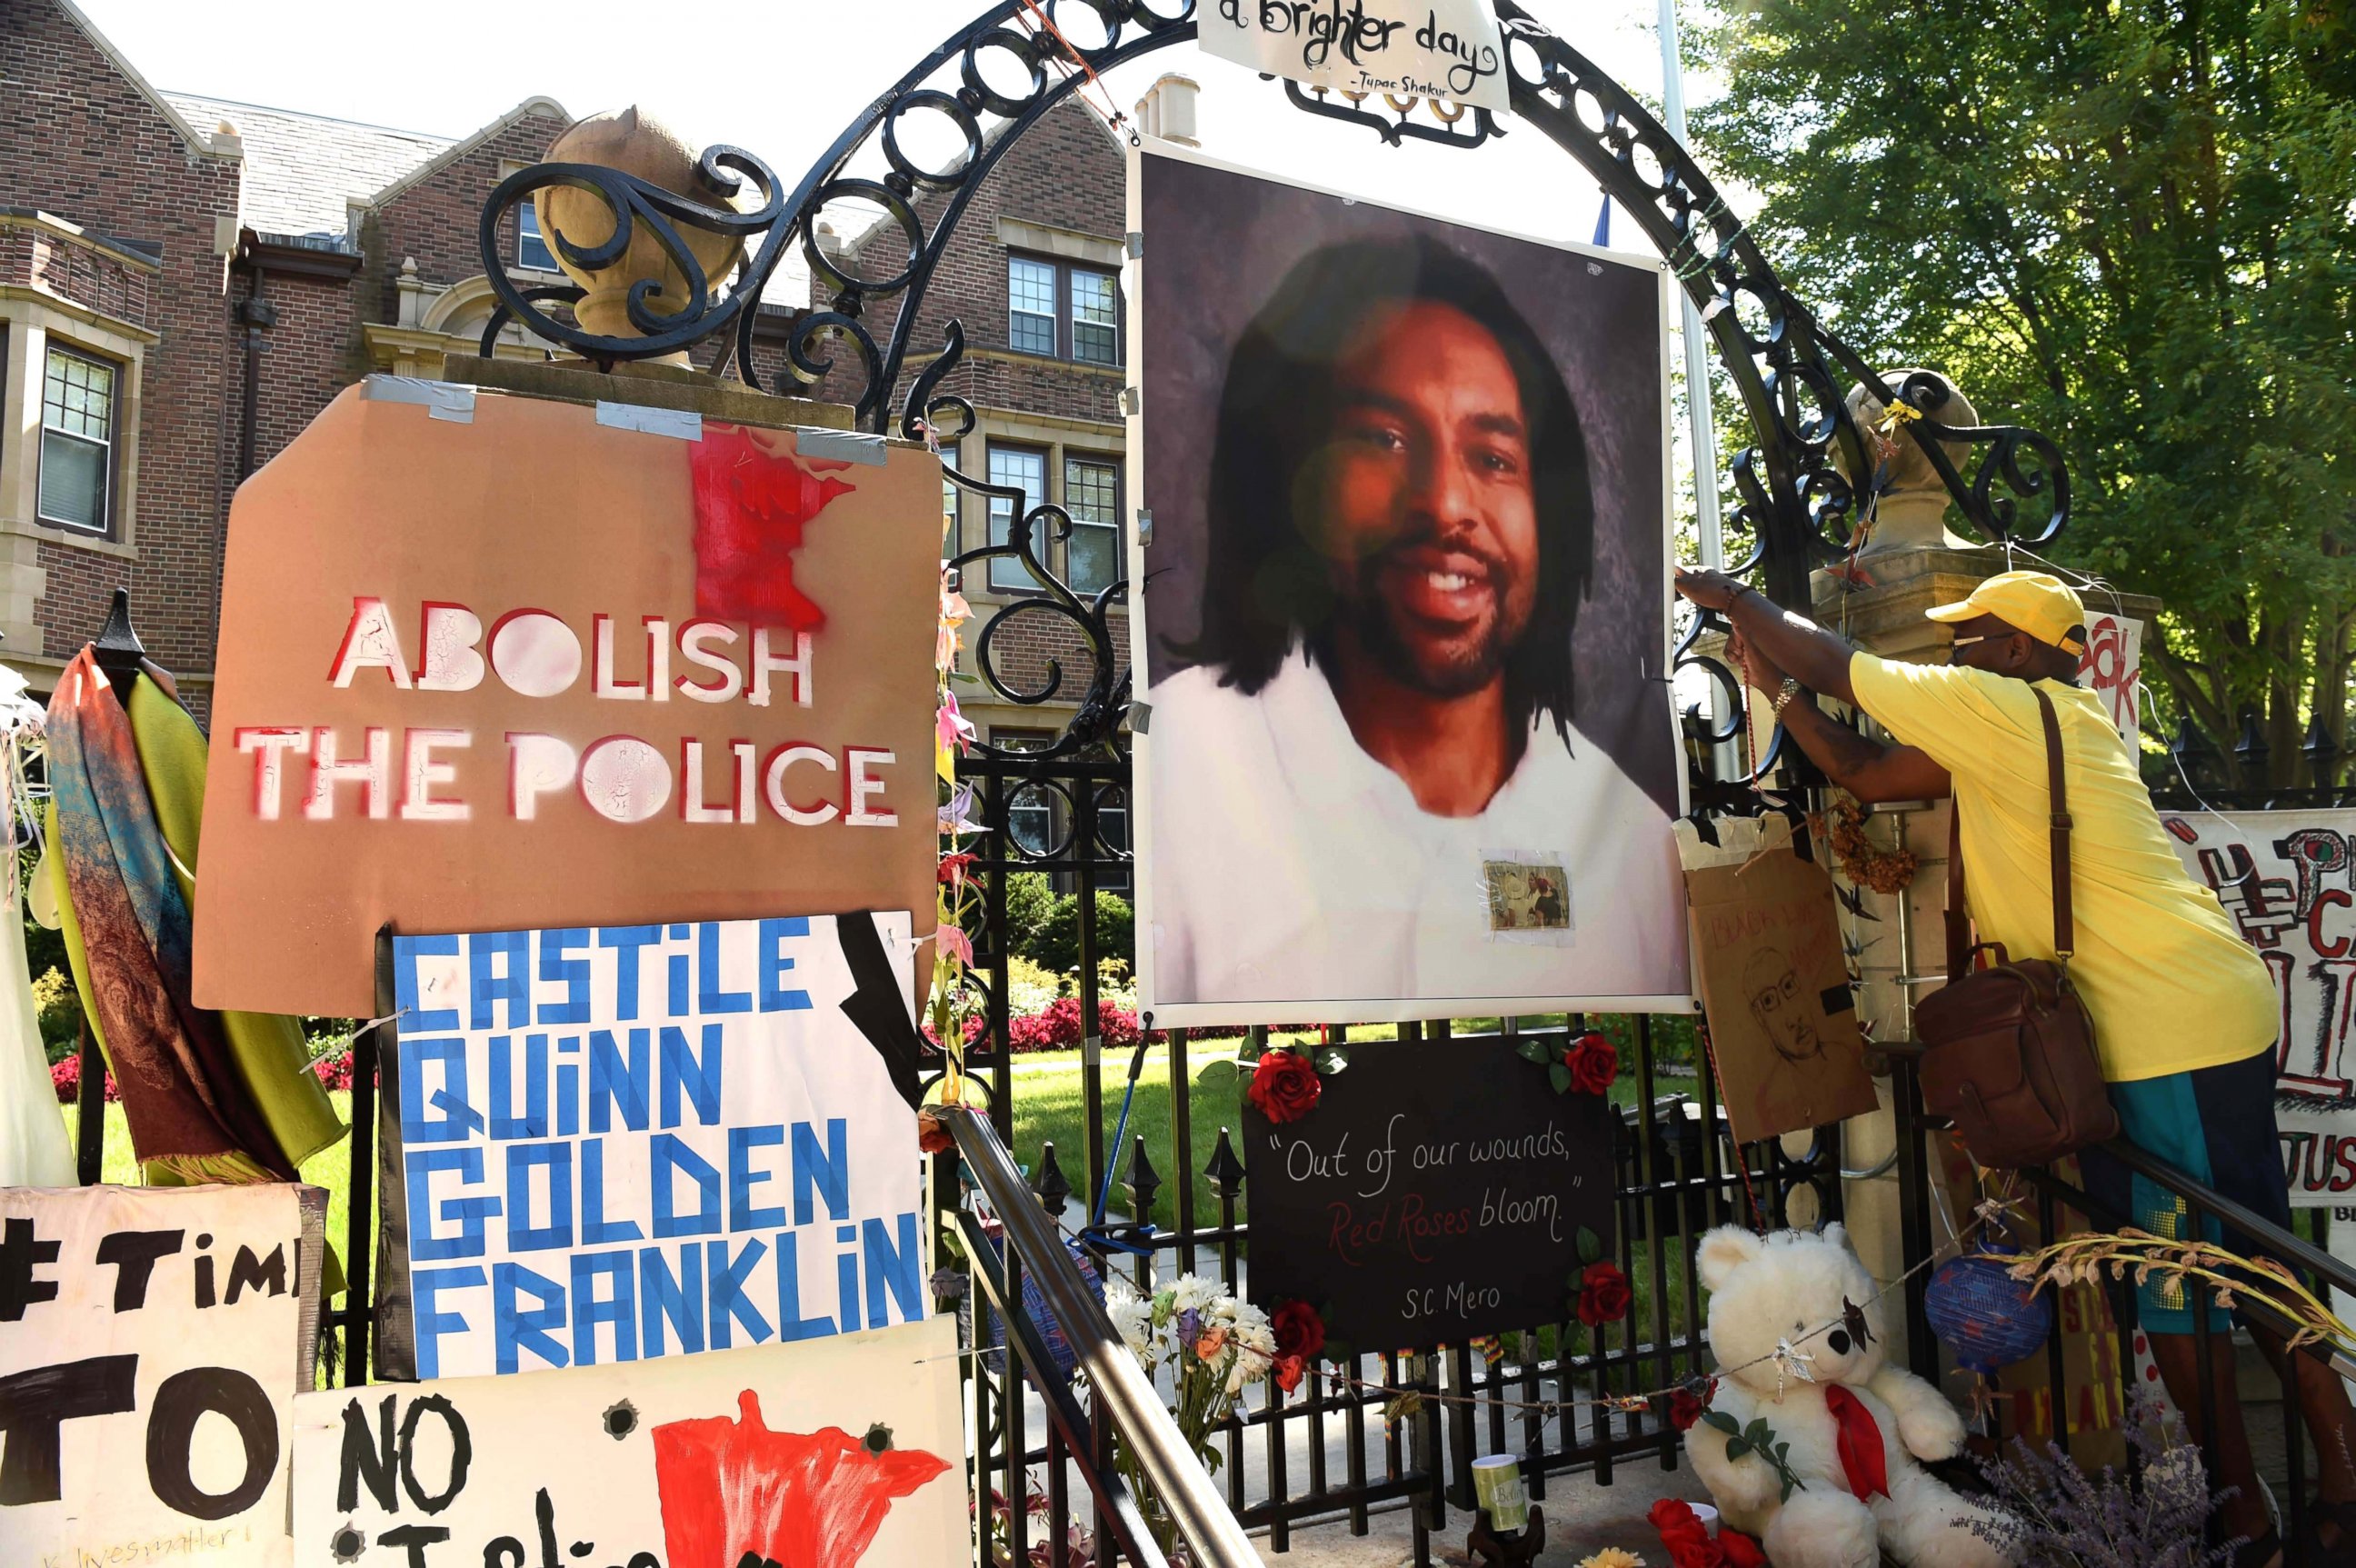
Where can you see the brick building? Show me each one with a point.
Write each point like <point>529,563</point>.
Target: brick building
<point>185,281</point>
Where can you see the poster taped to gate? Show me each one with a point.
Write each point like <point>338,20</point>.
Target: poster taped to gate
<point>2284,879</point>
<point>477,672</point>
<point>151,1344</point>
<point>828,1453</point>
<point>1404,626</point>
<point>620,1143</point>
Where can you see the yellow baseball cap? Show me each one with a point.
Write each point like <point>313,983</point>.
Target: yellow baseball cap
<point>2038,602</point>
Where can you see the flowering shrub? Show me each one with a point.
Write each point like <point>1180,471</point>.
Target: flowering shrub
<point>335,1068</point>
<point>66,1076</point>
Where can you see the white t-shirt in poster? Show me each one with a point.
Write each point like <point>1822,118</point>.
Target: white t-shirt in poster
<point>1288,865</point>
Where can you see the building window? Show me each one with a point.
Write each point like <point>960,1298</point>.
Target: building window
<point>1112,831</point>
<point>1022,468</point>
<point>77,411</point>
<point>948,518</point>
<point>1096,317</point>
<point>1092,497</point>
<point>532,249</point>
<point>1061,311</point>
<point>1030,809</point>
<point>1030,305</point>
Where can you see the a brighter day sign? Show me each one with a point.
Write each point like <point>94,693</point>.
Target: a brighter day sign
<point>476,672</point>
<point>626,1143</point>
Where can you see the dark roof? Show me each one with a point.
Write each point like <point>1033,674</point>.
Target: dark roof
<point>301,169</point>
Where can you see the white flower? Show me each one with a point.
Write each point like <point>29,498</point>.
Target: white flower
<point>1134,1318</point>
<point>1193,1291</point>
<point>1250,1366</point>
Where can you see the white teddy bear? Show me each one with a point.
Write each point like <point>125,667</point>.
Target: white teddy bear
<point>1854,1500</point>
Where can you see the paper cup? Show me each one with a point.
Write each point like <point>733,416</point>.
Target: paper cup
<point>1707,1515</point>
<point>1497,1483</point>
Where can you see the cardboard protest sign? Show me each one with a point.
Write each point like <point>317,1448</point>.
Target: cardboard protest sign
<point>822,1454</point>
<point>632,1141</point>
<point>541,654</point>
<point>1767,951</point>
<point>151,1342</point>
<point>2286,881</point>
<point>1431,1194</point>
<point>1427,48</point>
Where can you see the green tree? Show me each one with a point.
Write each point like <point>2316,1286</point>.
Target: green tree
<point>2127,223</point>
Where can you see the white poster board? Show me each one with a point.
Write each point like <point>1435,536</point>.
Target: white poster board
<point>1452,49</point>
<point>615,1143</point>
<point>2112,668</point>
<point>150,1344</point>
<point>2285,880</point>
<point>1405,748</point>
<point>822,1454</point>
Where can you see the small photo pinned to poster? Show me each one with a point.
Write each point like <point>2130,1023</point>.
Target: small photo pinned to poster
<point>1529,897</point>
<point>1405,602</point>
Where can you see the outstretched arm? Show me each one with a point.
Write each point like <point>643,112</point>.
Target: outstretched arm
<point>1870,769</point>
<point>1791,641</point>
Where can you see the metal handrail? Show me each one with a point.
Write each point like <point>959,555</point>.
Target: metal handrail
<point>1119,1387</point>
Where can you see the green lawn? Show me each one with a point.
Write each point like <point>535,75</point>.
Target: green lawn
<point>330,1168</point>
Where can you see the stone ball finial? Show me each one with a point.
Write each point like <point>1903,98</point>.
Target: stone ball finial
<point>640,145</point>
<point>1913,509</point>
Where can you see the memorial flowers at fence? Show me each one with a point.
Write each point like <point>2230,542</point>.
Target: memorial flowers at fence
<point>1589,1065</point>
<point>1213,1347</point>
<point>1285,1080</point>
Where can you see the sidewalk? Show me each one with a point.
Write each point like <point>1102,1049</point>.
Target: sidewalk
<point>1581,1518</point>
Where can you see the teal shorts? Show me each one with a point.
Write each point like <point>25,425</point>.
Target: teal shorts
<point>2216,1125</point>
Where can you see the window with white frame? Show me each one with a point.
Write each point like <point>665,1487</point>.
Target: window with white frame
<point>948,518</point>
<point>78,405</point>
<point>532,250</point>
<point>1031,294</point>
<point>1030,809</point>
<point>1014,467</point>
<point>1112,833</point>
<point>1060,310</point>
<point>1092,497</point>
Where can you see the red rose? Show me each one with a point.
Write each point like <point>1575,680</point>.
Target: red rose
<point>1593,1064</point>
<point>933,1134</point>
<point>1300,1331</point>
<point>1684,1534</point>
<point>1288,1370</point>
<point>1685,1410</point>
<point>1739,1550</point>
<point>1603,1294</point>
<point>1284,1086</point>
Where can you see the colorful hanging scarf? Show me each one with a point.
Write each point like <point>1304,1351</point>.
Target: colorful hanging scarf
<point>188,1111</point>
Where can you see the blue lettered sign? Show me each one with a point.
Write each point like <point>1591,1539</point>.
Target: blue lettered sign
<point>612,1143</point>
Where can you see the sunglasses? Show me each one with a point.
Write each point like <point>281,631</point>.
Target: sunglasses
<point>1963,642</point>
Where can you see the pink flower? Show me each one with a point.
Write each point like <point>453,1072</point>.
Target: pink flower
<point>952,731</point>
<point>956,944</point>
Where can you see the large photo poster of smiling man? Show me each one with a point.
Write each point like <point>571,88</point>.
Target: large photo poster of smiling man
<point>1407,748</point>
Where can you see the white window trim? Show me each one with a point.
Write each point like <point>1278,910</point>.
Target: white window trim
<point>109,444</point>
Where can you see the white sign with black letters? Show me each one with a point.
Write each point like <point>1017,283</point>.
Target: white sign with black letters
<point>1409,48</point>
<point>150,1342</point>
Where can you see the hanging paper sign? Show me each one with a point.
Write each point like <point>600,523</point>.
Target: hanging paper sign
<point>2284,878</point>
<point>1427,1195</point>
<point>151,1342</point>
<point>1422,48</point>
<point>814,1455</point>
<point>618,1143</point>
<point>2112,668</point>
<point>474,670</point>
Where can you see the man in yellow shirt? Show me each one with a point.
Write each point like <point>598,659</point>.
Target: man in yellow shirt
<point>2184,1012</point>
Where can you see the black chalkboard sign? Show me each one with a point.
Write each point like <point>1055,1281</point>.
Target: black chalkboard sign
<point>1434,1191</point>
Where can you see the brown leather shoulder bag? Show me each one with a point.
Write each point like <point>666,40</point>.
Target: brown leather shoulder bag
<point>2009,1049</point>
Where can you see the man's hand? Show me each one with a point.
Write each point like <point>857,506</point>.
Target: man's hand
<point>1758,672</point>
<point>1710,590</point>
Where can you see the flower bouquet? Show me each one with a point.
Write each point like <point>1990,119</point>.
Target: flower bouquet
<point>1211,1345</point>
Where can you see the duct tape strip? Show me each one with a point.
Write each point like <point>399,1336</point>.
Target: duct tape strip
<point>681,422</point>
<point>1141,716</point>
<point>443,400</point>
<point>841,446</point>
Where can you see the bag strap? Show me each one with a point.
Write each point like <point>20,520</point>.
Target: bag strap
<point>2065,928</point>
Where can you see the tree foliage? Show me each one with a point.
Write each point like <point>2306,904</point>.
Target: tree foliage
<point>2128,225</point>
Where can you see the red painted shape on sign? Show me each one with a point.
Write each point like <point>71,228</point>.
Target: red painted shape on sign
<point>751,506</point>
<point>800,1499</point>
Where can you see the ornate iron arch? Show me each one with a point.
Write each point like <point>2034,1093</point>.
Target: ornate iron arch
<point>1792,502</point>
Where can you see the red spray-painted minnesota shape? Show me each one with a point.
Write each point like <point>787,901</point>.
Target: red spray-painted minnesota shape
<point>751,506</point>
<point>803,1500</point>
